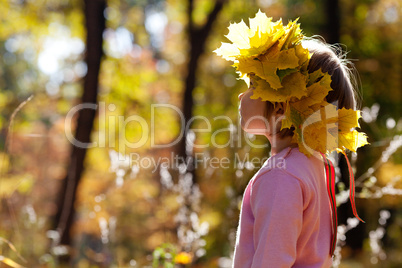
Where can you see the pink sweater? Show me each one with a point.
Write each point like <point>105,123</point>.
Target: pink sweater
<point>285,218</point>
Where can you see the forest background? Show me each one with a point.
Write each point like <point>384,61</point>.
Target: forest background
<point>123,76</point>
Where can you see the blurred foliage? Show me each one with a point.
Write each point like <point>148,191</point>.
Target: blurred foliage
<point>126,212</point>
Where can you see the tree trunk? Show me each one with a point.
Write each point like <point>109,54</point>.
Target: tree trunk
<point>333,21</point>
<point>95,25</point>
<point>197,37</point>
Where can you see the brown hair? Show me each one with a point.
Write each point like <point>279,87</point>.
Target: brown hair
<point>331,59</point>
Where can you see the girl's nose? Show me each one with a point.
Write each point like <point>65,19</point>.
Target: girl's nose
<point>241,95</point>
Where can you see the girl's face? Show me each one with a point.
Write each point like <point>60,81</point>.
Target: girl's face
<point>252,113</point>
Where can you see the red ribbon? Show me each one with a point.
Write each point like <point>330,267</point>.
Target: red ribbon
<point>352,189</point>
<point>330,173</point>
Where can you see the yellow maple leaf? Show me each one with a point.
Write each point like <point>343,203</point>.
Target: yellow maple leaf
<point>294,85</point>
<point>263,34</point>
<point>296,117</point>
<point>352,140</point>
<point>309,127</point>
<point>239,35</point>
<point>348,119</point>
<point>345,121</point>
<point>314,137</point>
<point>338,125</point>
<point>287,59</point>
<point>317,135</point>
<point>316,93</point>
<point>264,66</point>
<point>292,35</point>
<point>248,42</point>
<point>324,128</point>
<point>261,24</point>
<point>228,51</point>
<point>302,54</point>
<point>265,92</point>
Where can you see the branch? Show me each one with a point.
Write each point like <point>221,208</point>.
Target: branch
<point>213,15</point>
<point>190,9</point>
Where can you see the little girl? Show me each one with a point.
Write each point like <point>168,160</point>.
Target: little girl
<point>301,98</point>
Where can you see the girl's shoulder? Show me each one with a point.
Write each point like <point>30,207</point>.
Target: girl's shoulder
<point>293,164</point>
